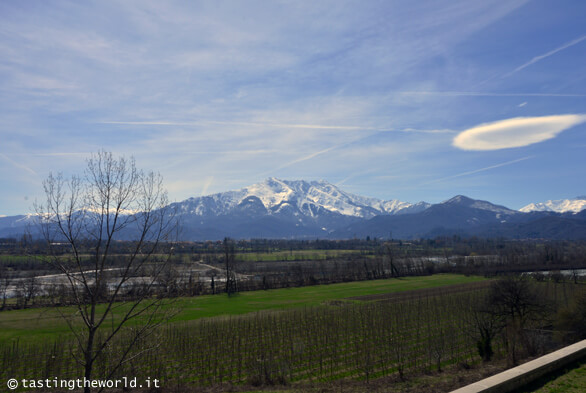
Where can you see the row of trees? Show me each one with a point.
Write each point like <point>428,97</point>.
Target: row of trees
<point>534,253</point>
<point>185,275</point>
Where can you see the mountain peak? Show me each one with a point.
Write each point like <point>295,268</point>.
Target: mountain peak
<point>459,199</point>
<point>273,182</point>
<point>301,198</point>
<point>573,205</point>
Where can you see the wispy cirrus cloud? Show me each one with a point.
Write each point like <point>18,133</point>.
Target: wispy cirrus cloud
<point>515,132</point>
<point>207,185</point>
<point>219,96</point>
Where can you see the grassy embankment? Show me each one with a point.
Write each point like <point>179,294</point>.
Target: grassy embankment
<point>570,379</point>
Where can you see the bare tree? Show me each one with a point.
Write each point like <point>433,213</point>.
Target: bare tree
<point>483,325</point>
<point>390,254</point>
<point>91,213</point>
<point>514,304</point>
<point>27,289</point>
<point>5,282</point>
<point>230,260</point>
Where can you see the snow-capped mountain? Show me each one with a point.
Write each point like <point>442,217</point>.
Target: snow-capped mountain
<point>469,217</point>
<point>455,215</point>
<point>282,208</point>
<point>574,205</point>
<point>297,197</point>
<point>301,209</point>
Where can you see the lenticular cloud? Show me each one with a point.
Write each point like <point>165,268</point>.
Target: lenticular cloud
<point>515,132</point>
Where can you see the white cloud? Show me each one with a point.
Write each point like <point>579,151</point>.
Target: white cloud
<point>515,132</point>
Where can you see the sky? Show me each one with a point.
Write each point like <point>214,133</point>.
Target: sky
<point>394,99</point>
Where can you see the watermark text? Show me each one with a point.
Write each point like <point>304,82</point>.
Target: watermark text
<point>81,383</point>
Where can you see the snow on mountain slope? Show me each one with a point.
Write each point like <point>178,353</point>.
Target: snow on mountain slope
<point>301,196</point>
<point>574,205</point>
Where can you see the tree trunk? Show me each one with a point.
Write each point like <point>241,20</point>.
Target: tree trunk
<point>89,363</point>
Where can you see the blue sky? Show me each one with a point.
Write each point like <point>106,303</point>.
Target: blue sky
<point>409,100</point>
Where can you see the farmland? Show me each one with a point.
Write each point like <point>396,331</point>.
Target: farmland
<point>351,331</point>
<point>47,323</point>
<point>301,313</point>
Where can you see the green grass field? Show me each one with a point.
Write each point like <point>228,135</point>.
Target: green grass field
<point>292,255</point>
<point>34,325</point>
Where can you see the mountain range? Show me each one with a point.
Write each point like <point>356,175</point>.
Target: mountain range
<point>574,205</point>
<point>301,209</point>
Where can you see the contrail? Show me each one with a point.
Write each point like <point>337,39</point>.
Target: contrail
<point>479,170</point>
<point>481,94</point>
<point>305,158</point>
<point>18,165</point>
<point>550,53</point>
<point>274,125</point>
<point>315,154</point>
